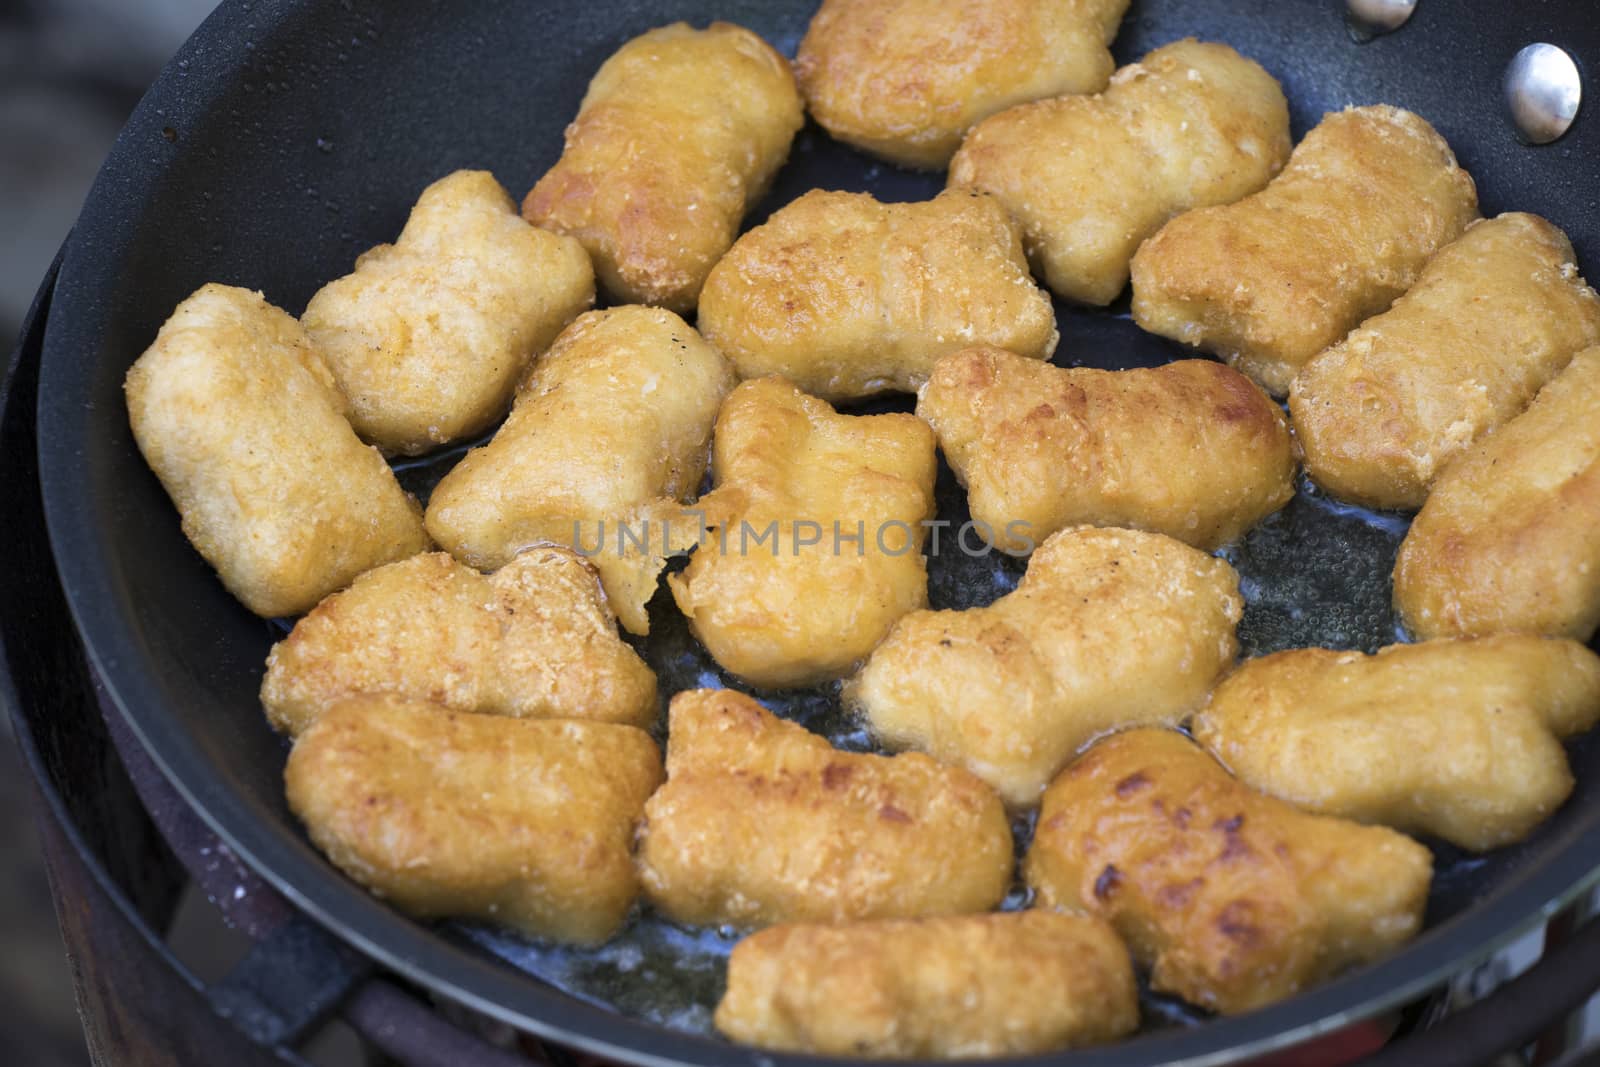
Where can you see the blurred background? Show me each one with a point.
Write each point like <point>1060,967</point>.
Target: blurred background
<point>70,72</point>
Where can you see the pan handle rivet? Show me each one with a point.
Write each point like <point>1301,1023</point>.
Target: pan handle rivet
<point>1370,18</point>
<point>1543,91</point>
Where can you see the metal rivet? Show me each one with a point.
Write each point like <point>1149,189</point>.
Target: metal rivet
<point>1370,18</point>
<point>1543,91</point>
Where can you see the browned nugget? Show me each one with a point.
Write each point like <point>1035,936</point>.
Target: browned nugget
<point>1235,899</point>
<point>1191,125</point>
<point>533,640</point>
<point>608,438</point>
<point>1507,539</point>
<point>1493,317</point>
<point>1109,628</point>
<point>239,418</point>
<point>1271,280</point>
<point>847,297</point>
<point>815,541</point>
<point>905,79</point>
<point>524,822</point>
<point>1456,738</point>
<point>1191,449</point>
<point>679,134</point>
<point>954,987</point>
<point>763,822</point>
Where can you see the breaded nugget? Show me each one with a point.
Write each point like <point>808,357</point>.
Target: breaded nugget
<point>847,297</point>
<point>1233,898</point>
<point>524,822</point>
<point>954,987</point>
<point>1507,539</point>
<point>1493,317</point>
<point>763,822</point>
<point>1456,738</point>
<point>239,418</point>
<point>429,336</point>
<point>1273,279</point>
<point>534,640</point>
<point>1089,178</point>
<point>607,438</point>
<point>678,136</point>
<point>1109,628</point>
<point>905,79</point>
<point>1191,449</point>
<point>815,535</point>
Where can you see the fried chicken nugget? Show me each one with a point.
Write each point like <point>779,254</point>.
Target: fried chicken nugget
<point>1108,628</point>
<point>762,822</point>
<point>847,297</point>
<point>905,79</point>
<point>1273,279</point>
<point>1456,738</point>
<point>1191,125</point>
<point>523,822</point>
<point>606,440</point>
<point>1493,317</point>
<point>1507,538</point>
<point>533,640</point>
<point>1191,449</point>
<point>1234,898</point>
<point>237,415</point>
<point>429,336</point>
<point>818,530</point>
<point>680,133</point>
<point>954,987</point>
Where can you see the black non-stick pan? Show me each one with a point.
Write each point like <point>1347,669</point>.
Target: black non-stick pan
<point>289,135</point>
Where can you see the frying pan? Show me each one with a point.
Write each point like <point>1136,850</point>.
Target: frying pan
<point>289,135</point>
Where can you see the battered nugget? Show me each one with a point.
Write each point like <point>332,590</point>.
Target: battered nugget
<point>429,336</point>
<point>607,439</point>
<point>1507,539</point>
<point>1109,628</point>
<point>1089,178</point>
<point>763,822</point>
<point>678,136</point>
<point>239,418</point>
<point>966,986</point>
<point>1492,318</point>
<point>522,822</point>
<point>905,79</point>
<point>1459,739</point>
<point>1235,899</point>
<point>847,297</point>
<point>1270,281</point>
<point>1191,449</point>
<point>534,640</point>
<point>816,535</point>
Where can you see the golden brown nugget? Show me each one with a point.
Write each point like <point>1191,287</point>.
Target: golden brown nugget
<point>847,297</point>
<point>955,987</point>
<point>523,822</point>
<point>429,336</point>
<point>1507,538</point>
<point>762,822</point>
<point>1108,628</point>
<point>1493,317</point>
<point>1456,738</point>
<point>606,440</point>
<point>1269,281</point>
<point>1233,898</point>
<point>533,640</point>
<point>1191,449</point>
<point>1191,125</point>
<point>814,546</point>
<point>239,418</point>
<point>905,79</point>
<point>679,134</point>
